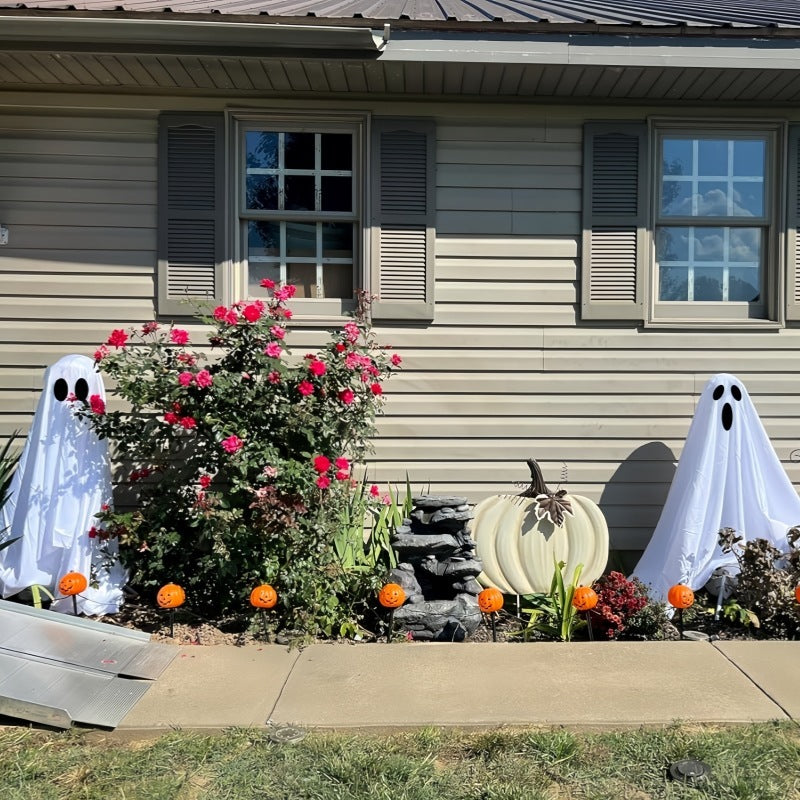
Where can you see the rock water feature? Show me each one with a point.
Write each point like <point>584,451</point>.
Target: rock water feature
<point>437,569</point>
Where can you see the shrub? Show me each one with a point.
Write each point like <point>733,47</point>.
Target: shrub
<point>244,465</point>
<point>766,581</point>
<point>618,600</point>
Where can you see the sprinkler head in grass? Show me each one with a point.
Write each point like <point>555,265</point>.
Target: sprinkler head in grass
<point>490,601</point>
<point>263,597</point>
<point>71,585</point>
<point>170,596</point>
<point>691,772</point>
<point>680,597</point>
<point>391,596</point>
<point>585,599</point>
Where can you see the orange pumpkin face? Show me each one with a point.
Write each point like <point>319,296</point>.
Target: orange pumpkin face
<point>72,583</point>
<point>585,598</point>
<point>490,600</point>
<point>391,595</point>
<point>263,596</point>
<point>797,593</point>
<point>171,596</point>
<point>680,596</point>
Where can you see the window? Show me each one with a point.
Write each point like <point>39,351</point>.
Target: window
<point>683,223</point>
<point>299,210</point>
<point>713,225</point>
<point>299,198</point>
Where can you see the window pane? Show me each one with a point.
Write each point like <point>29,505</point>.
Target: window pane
<point>712,199</point>
<point>748,199</point>
<point>708,244</point>
<point>676,198</point>
<point>744,284</point>
<point>263,239</point>
<point>299,193</point>
<point>261,149</point>
<point>337,280</point>
<point>301,240</point>
<point>299,149</point>
<point>256,272</point>
<point>304,277</point>
<point>677,156</point>
<point>337,151</point>
<point>673,284</point>
<point>337,194</point>
<point>745,245</point>
<point>712,157</point>
<point>749,158</point>
<point>262,192</point>
<point>337,240</point>
<point>707,284</point>
<point>672,244</point>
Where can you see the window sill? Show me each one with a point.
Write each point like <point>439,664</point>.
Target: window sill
<point>719,324</point>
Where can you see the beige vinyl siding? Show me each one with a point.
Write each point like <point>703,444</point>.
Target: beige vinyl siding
<point>77,193</point>
<point>505,372</point>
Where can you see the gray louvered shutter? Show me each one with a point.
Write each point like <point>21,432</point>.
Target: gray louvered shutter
<point>403,218</point>
<point>190,210</point>
<point>614,220</point>
<point>793,221</point>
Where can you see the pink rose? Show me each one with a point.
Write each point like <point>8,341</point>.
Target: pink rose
<point>305,388</point>
<point>185,378</point>
<point>323,482</point>
<point>232,444</point>
<point>316,367</point>
<point>266,283</point>
<point>205,481</point>
<point>270,472</point>
<point>322,464</point>
<point>340,348</point>
<point>97,405</point>
<point>100,353</point>
<point>117,338</point>
<point>375,388</point>
<point>352,360</point>
<point>179,336</point>
<point>93,532</point>
<point>342,475</point>
<point>346,396</point>
<point>204,378</point>
<point>149,327</point>
<point>351,331</point>
<point>285,292</point>
<point>252,312</point>
<point>187,423</point>
<point>273,350</point>
<point>287,313</point>
<point>187,358</point>
<point>342,463</point>
<point>171,418</point>
<point>374,490</point>
<point>220,313</point>
<point>277,331</point>
<point>396,360</point>
<point>274,377</point>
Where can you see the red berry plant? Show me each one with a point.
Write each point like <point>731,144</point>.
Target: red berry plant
<point>618,601</point>
<point>242,459</point>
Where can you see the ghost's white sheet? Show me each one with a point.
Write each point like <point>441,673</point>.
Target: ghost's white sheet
<point>728,476</point>
<point>62,480</point>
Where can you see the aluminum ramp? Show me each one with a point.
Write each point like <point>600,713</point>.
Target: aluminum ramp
<point>58,670</point>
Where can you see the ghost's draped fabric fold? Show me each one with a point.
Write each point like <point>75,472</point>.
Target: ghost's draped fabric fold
<point>62,480</point>
<point>728,476</point>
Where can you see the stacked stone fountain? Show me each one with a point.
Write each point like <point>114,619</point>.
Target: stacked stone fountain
<point>437,569</point>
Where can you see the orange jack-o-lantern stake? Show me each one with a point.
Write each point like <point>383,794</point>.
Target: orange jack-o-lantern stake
<point>797,593</point>
<point>680,597</point>
<point>585,599</point>
<point>170,596</point>
<point>490,601</point>
<point>263,597</point>
<point>391,596</point>
<point>71,585</point>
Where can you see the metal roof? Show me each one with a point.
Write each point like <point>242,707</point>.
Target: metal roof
<point>681,16</point>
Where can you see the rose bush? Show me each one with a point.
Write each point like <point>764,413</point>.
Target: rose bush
<point>242,460</point>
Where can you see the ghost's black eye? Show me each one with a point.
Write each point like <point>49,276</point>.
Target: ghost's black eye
<point>718,392</point>
<point>60,390</point>
<point>736,392</point>
<point>81,389</point>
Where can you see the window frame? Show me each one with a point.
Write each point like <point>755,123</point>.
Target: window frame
<point>355,123</point>
<point>768,311</point>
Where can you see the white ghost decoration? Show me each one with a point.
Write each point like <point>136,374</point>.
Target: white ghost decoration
<point>62,480</point>
<point>728,476</point>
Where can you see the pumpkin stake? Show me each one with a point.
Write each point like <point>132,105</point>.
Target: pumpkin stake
<point>490,601</point>
<point>71,585</point>
<point>171,596</point>
<point>391,596</point>
<point>679,597</point>
<point>262,598</point>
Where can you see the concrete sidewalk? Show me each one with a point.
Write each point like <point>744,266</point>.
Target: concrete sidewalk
<point>381,687</point>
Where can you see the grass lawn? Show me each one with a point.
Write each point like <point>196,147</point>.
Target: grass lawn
<point>758,762</point>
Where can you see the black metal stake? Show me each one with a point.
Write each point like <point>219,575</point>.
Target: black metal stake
<point>589,623</point>
<point>172,623</point>
<point>263,622</point>
<point>391,626</point>
<point>75,605</point>
<point>680,622</point>
<point>494,625</point>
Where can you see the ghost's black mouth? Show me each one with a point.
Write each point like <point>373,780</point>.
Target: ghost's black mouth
<point>727,416</point>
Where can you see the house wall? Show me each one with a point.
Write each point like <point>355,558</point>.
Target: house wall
<point>505,372</point>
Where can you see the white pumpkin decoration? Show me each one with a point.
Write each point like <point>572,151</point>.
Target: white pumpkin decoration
<point>519,538</point>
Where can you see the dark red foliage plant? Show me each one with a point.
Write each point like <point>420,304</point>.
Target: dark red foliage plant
<point>618,599</point>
